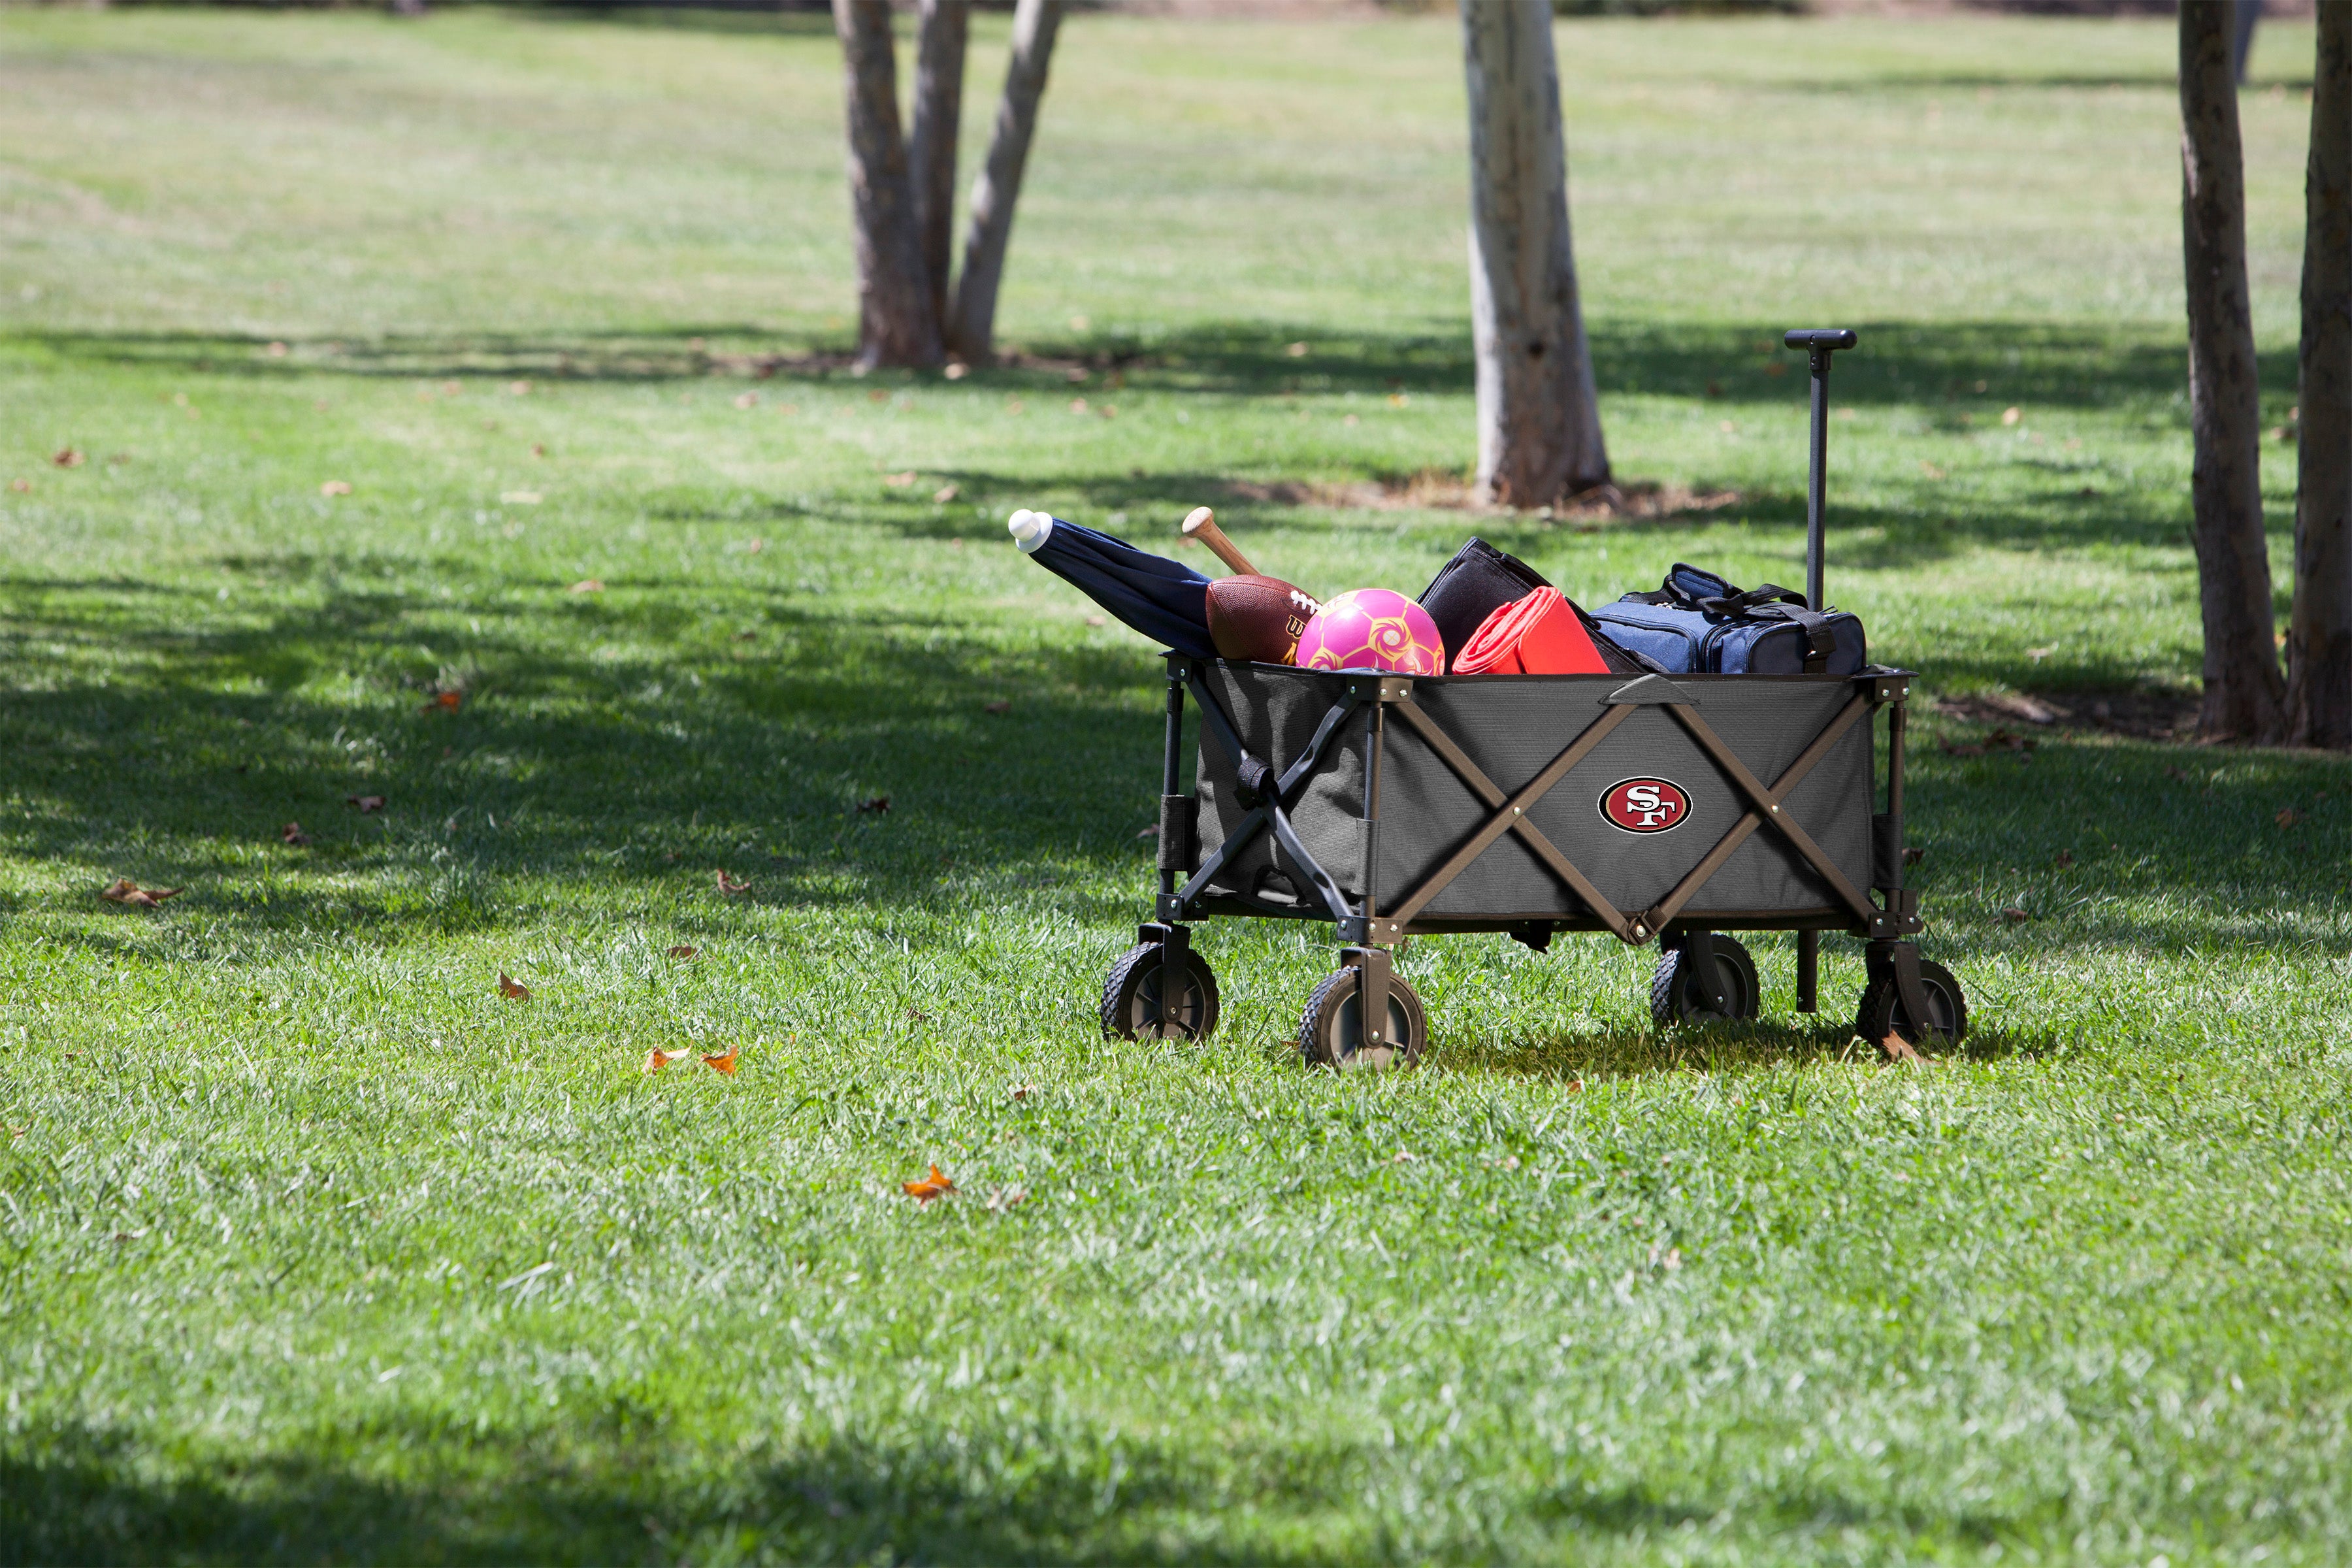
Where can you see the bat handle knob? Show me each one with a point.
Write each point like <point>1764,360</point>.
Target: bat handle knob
<point>1029,529</point>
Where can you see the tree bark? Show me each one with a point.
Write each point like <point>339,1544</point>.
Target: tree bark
<point>972,323</point>
<point>931,153</point>
<point>1538,418</point>
<point>2319,630</point>
<point>2245,697</point>
<point>897,322</point>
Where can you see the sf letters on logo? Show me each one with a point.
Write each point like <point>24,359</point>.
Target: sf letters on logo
<point>1644,806</point>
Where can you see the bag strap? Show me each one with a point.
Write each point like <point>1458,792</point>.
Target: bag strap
<point>1820,640</point>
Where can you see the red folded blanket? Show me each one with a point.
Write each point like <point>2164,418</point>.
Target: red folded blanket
<point>1540,635</point>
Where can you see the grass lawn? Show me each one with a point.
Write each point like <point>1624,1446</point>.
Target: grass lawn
<point>314,1246</point>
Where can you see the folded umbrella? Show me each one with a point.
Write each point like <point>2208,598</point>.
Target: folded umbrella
<point>1540,635</point>
<point>1165,600</point>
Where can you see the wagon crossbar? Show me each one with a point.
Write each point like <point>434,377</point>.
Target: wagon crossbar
<point>1508,812</point>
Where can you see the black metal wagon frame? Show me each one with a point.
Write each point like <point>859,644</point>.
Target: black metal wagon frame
<point>1294,766</point>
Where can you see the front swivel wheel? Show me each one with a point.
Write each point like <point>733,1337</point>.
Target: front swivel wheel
<point>1132,1008</point>
<point>1331,1032</point>
<point>1882,1012</point>
<point>1677,997</point>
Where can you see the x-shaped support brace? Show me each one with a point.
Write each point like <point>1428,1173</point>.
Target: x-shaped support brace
<point>1509,815</point>
<point>1270,809</point>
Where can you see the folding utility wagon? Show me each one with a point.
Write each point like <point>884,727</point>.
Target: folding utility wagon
<point>1655,809</point>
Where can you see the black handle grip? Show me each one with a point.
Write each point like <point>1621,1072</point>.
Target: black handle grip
<point>1820,338</point>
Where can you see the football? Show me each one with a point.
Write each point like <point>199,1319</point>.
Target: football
<point>1257,619</point>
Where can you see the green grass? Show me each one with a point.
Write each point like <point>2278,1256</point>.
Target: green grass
<point>313,1246</point>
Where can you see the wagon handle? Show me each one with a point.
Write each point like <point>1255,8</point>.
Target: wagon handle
<point>1819,343</point>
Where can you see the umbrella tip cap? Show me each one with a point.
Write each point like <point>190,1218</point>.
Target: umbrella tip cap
<point>1029,529</point>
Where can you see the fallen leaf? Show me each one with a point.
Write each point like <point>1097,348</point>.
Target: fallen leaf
<point>587,585</point>
<point>1004,1198</point>
<point>1075,376</point>
<point>657,1059</point>
<point>2038,654</point>
<point>731,886</point>
<point>878,395</point>
<point>1295,351</point>
<point>512,988</point>
<point>1148,833</point>
<point>2065,859</point>
<point>1108,412</point>
<point>1897,1049</point>
<point>123,891</point>
<point>877,804</point>
<point>2011,415</point>
<point>292,834</point>
<point>1932,471</point>
<point>70,457</point>
<point>756,546</point>
<point>899,481</point>
<point>2287,816</point>
<point>1969,750</point>
<point>682,950</point>
<point>1776,368</point>
<point>1912,854</point>
<point>444,702</point>
<point>1398,399</point>
<point>945,494</point>
<point>335,488</point>
<point>518,389</point>
<point>1715,389</point>
<point>725,1063</point>
<point>519,498</point>
<point>1097,620</point>
<point>277,351</point>
<point>539,448</point>
<point>1077,406</point>
<point>746,400</point>
<point>957,372</point>
<point>1405,1157</point>
<point>22,487</point>
<point>924,1189</point>
<point>1002,705</point>
<point>366,803</point>
<point>2012,916</point>
<point>1022,1090</point>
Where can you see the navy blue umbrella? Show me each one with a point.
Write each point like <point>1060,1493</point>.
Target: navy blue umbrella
<point>1165,600</point>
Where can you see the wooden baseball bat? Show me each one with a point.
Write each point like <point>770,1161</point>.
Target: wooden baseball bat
<point>1203,525</point>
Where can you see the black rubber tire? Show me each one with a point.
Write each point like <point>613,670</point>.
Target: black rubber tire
<point>1331,1031</point>
<point>1130,996</point>
<point>1674,995</point>
<point>1881,1013</point>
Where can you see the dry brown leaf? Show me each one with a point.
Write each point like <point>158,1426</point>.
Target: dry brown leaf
<point>1399,399</point>
<point>1932,471</point>
<point>2065,859</point>
<point>335,488</point>
<point>70,457</point>
<point>1023,1091</point>
<point>756,546</point>
<point>746,400</point>
<point>1405,1157</point>
<point>22,487</point>
<point>924,1189</point>
<point>1968,750</point>
<point>1077,406</point>
<point>277,351</point>
<point>945,494</point>
<point>2287,816</point>
<point>682,950</point>
<point>539,448</point>
<point>2013,916</point>
<point>899,481</point>
<point>587,585</point>
<point>1002,705</point>
<point>1004,1198</point>
<point>725,1063</point>
<point>512,988</point>
<point>957,370</point>
<point>877,804</point>
<point>366,804</point>
<point>445,702</point>
<point>2011,415</point>
<point>292,834</point>
<point>1912,854</point>
<point>518,389</point>
<point>657,1059</point>
<point>731,886</point>
<point>1897,1049</point>
<point>123,891</point>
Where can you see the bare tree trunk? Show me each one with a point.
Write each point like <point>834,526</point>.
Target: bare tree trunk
<point>972,324</point>
<point>2319,632</point>
<point>2245,698</point>
<point>896,323</point>
<point>1538,418</point>
<point>931,154</point>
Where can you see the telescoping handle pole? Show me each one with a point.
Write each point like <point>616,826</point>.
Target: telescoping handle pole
<point>1819,343</point>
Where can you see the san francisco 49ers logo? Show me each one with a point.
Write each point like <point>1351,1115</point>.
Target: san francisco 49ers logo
<point>1644,806</point>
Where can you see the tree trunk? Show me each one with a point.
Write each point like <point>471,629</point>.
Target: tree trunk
<point>1538,419</point>
<point>931,154</point>
<point>2319,632</point>
<point>896,323</point>
<point>972,324</point>
<point>2245,698</point>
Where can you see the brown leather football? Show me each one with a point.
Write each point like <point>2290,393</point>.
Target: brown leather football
<point>1257,619</point>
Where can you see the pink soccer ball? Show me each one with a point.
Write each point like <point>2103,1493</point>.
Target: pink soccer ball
<point>1372,628</point>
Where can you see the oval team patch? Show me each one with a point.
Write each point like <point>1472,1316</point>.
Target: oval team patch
<point>1644,806</point>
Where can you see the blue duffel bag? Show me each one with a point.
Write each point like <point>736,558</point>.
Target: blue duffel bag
<point>1697,624</point>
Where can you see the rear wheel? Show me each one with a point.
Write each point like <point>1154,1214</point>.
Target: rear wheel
<point>1676,996</point>
<point>1882,1012</point>
<point>1131,1005</point>
<point>1331,1031</point>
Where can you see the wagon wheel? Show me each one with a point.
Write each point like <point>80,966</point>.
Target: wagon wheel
<point>1131,1007</point>
<point>1331,1031</point>
<point>1675,996</point>
<point>1882,1013</point>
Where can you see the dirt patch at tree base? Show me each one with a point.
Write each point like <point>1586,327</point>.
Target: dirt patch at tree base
<point>2141,712</point>
<point>1444,490</point>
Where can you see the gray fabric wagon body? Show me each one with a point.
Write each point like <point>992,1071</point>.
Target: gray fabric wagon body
<point>1383,809</point>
